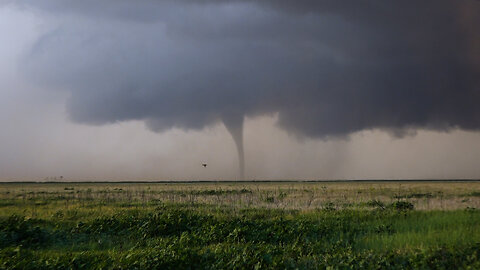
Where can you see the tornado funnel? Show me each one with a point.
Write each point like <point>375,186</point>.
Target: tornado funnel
<point>234,124</point>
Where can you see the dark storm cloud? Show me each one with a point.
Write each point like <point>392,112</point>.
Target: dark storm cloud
<point>328,68</point>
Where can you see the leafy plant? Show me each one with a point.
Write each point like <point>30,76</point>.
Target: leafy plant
<point>402,205</point>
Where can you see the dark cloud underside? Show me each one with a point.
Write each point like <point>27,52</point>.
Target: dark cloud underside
<point>328,68</point>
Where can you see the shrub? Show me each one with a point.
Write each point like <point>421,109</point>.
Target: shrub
<point>376,203</point>
<point>402,205</point>
<point>16,230</point>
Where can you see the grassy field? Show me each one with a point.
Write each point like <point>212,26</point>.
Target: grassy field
<point>280,225</point>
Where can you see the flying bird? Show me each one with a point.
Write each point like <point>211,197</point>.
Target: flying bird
<point>204,165</point>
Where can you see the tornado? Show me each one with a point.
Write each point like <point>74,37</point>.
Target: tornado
<point>326,69</point>
<point>234,124</point>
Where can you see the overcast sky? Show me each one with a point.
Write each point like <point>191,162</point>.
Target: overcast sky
<point>129,90</point>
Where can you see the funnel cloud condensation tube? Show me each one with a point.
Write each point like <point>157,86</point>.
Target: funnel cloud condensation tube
<point>328,68</point>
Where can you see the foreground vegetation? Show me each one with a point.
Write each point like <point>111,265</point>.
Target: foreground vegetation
<point>239,226</point>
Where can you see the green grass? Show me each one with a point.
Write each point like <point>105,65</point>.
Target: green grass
<point>204,228</point>
<point>420,230</point>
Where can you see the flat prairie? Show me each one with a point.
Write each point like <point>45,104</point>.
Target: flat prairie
<point>241,225</point>
<point>425,195</point>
